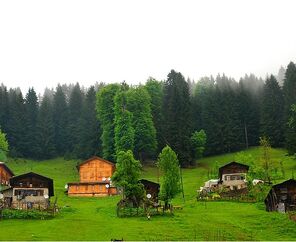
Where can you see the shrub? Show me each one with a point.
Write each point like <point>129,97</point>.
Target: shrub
<point>25,214</point>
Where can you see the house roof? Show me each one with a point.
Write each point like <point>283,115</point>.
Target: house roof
<point>146,182</point>
<point>290,181</point>
<point>89,183</point>
<point>94,158</point>
<point>6,168</point>
<point>234,163</point>
<point>12,180</point>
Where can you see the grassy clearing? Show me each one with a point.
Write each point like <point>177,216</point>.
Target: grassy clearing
<point>95,218</point>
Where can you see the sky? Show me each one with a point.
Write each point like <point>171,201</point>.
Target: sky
<point>43,43</point>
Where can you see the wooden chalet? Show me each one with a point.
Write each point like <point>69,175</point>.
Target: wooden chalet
<point>282,197</point>
<point>233,175</point>
<point>95,179</point>
<point>29,190</point>
<point>5,174</point>
<point>151,188</point>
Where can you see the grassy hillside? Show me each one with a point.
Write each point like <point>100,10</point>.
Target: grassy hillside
<point>95,218</point>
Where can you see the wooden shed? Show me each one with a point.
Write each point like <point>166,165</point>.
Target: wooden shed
<point>95,179</point>
<point>5,174</point>
<point>282,197</point>
<point>233,175</point>
<point>151,188</point>
<point>29,190</point>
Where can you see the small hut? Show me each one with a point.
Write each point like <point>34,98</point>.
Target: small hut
<point>5,174</point>
<point>233,175</point>
<point>282,197</point>
<point>29,190</point>
<point>151,188</point>
<point>95,179</point>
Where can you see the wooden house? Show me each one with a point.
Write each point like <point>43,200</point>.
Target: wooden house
<point>95,179</point>
<point>233,175</point>
<point>151,188</point>
<point>282,197</point>
<point>29,190</point>
<point>5,174</point>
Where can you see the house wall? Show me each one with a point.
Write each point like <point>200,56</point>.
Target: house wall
<point>4,175</point>
<point>95,170</point>
<point>90,190</point>
<point>37,201</point>
<point>238,182</point>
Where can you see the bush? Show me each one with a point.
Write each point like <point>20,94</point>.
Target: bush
<point>25,214</point>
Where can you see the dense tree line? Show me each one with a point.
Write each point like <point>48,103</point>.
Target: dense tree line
<point>106,119</point>
<point>53,125</point>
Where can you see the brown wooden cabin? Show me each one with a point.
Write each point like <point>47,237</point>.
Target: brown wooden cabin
<point>95,179</point>
<point>233,175</point>
<point>282,197</point>
<point>151,188</point>
<point>29,190</point>
<point>5,174</point>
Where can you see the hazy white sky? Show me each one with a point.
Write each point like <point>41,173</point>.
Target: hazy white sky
<point>46,42</point>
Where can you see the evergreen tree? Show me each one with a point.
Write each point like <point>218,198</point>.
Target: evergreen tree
<point>292,130</point>
<point>75,120</point>
<point>105,113</point>
<point>89,144</point>
<point>232,130</point>
<point>155,90</point>
<point>4,108</point>
<point>177,113</point>
<point>3,146</point>
<point>138,103</point>
<point>31,113</point>
<point>124,131</point>
<point>15,126</point>
<point>272,112</point>
<point>281,76</point>
<point>289,90</point>
<point>250,93</point>
<point>45,130</point>
<point>60,119</point>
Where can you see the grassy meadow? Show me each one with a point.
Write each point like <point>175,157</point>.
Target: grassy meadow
<point>95,218</point>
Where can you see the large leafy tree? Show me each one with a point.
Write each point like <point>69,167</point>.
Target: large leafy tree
<point>45,130</point>
<point>89,144</point>
<point>138,103</point>
<point>178,116</point>
<point>272,112</point>
<point>31,113</point>
<point>169,167</point>
<point>155,90</point>
<point>106,116</point>
<point>124,131</point>
<point>60,119</point>
<point>198,142</point>
<point>127,174</point>
<point>289,90</point>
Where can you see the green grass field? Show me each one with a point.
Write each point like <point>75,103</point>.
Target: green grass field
<point>95,218</point>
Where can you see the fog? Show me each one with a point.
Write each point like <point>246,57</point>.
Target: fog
<point>43,43</point>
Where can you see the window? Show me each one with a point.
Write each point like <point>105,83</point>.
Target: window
<point>26,193</point>
<point>100,188</point>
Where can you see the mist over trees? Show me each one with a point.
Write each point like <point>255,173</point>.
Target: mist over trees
<point>77,122</point>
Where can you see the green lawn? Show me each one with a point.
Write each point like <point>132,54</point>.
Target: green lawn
<point>95,218</point>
